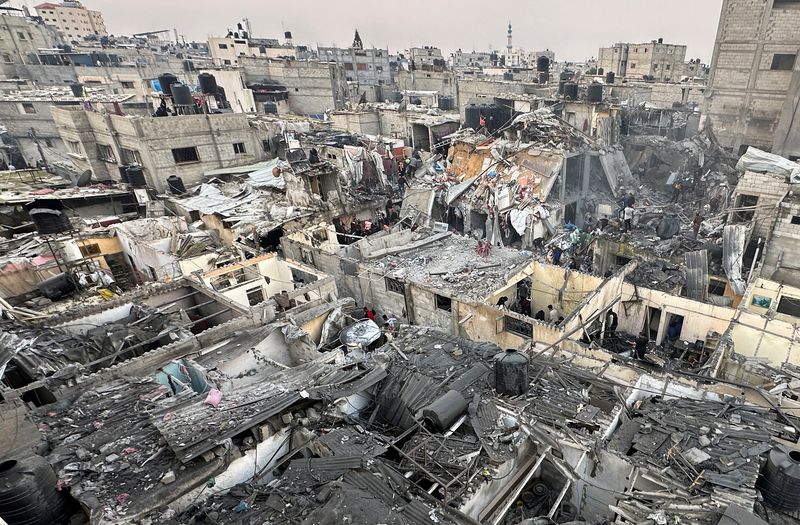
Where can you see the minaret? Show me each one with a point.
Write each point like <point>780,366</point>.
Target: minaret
<point>509,38</point>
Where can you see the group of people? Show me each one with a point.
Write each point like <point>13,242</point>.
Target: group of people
<point>626,211</point>
<point>552,316</point>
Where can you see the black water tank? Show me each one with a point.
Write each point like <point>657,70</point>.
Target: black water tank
<point>181,95</point>
<point>445,410</point>
<point>571,91</point>
<point>28,493</point>
<point>511,373</point>
<point>208,83</point>
<point>175,184</point>
<point>48,216</point>
<point>472,116</point>
<point>136,177</point>
<point>544,77</point>
<point>77,89</point>
<point>396,96</point>
<point>166,80</point>
<point>271,108</point>
<point>123,173</point>
<point>543,64</point>
<point>447,103</point>
<point>610,77</point>
<point>594,92</point>
<point>780,480</point>
<point>561,84</point>
<point>58,286</point>
<point>508,75</point>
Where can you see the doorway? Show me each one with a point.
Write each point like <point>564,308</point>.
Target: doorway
<point>651,323</point>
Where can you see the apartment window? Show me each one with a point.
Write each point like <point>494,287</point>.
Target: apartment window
<point>393,285</point>
<point>105,153</point>
<point>789,306</point>
<point>361,67</point>
<point>716,287</point>
<point>796,219</point>
<point>127,84</point>
<point>223,46</point>
<point>655,66</point>
<point>783,62</point>
<point>130,156</point>
<point>185,155</point>
<point>238,148</point>
<point>255,296</point>
<point>74,147</point>
<point>633,65</point>
<point>226,62</point>
<point>21,35</point>
<point>7,58</point>
<point>668,67</point>
<point>379,69</point>
<point>28,108</point>
<point>443,303</point>
<point>745,201</point>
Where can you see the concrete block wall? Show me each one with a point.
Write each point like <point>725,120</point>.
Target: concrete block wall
<point>770,189</point>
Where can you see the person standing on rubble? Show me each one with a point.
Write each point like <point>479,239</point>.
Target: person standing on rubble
<point>676,191</point>
<point>402,183</point>
<point>696,223</point>
<point>627,216</point>
<point>552,314</point>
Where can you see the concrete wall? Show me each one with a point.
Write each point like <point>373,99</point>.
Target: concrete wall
<point>443,82</point>
<point>314,87</point>
<point>782,250</point>
<point>769,189</point>
<point>660,94</point>
<point>747,96</point>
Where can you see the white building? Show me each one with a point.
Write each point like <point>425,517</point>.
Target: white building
<point>227,50</point>
<point>72,19</point>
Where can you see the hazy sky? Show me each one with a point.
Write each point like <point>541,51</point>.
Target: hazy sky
<point>574,29</point>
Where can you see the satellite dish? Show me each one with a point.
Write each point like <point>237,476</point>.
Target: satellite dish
<point>84,179</point>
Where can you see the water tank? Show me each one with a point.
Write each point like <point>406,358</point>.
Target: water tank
<point>181,95</point>
<point>123,173</point>
<point>447,103</point>
<point>59,286</point>
<point>208,83</point>
<point>445,410</point>
<point>508,75</point>
<point>544,77</point>
<point>566,75</point>
<point>780,479</point>
<point>594,92</point>
<point>136,177</point>
<point>48,216</point>
<point>166,80</point>
<point>561,84</point>
<point>77,89</point>
<point>396,96</point>
<point>271,108</point>
<point>175,185</point>
<point>511,373</point>
<point>610,77</point>
<point>28,493</point>
<point>571,91</point>
<point>542,64</point>
<point>472,116</point>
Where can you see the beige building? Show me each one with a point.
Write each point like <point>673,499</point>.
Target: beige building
<point>755,77</point>
<point>72,19</point>
<point>652,60</point>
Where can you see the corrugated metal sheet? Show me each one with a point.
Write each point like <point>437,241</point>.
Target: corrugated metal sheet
<point>697,275</point>
<point>734,240</point>
<point>346,441</point>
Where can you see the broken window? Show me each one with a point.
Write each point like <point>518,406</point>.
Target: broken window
<point>795,219</point>
<point>255,296</point>
<point>745,201</point>
<point>238,148</point>
<point>130,156</point>
<point>443,303</point>
<point>185,155</point>
<point>783,61</point>
<point>223,46</point>
<point>633,65</point>
<point>74,147</point>
<point>348,66</point>
<point>517,326</point>
<point>716,287</point>
<point>105,153</point>
<point>361,67</point>
<point>789,306</point>
<point>127,85</point>
<point>27,107</point>
<point>393,285</point>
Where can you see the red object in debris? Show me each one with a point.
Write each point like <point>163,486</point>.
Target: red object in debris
<point>483,248</point>
<point>130,450</point>
<point>43,191</point>
<point>122,498</point>
<point>97,424</point>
